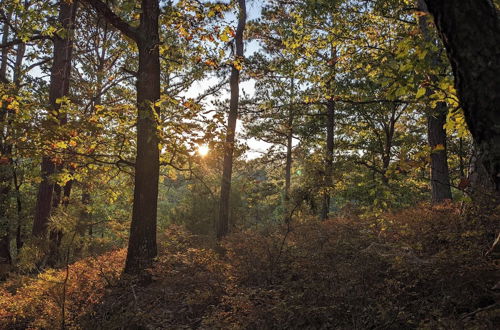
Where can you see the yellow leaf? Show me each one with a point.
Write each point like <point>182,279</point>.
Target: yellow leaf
<point>438,147</point>
<point>421,92</point>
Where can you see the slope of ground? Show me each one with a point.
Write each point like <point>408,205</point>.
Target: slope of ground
<point>425,268</point>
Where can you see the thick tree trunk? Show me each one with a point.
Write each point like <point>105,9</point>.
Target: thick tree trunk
<point>59,87</point>
<point>222,226</point>
<point>479,185</point>
<point>440,177</point>
<point>330,136</point>
<point>142,247</point>
<point>470,30</point>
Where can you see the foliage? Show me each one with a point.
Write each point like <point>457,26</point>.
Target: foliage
<point>423,267</point>
<point>414,269</point>
<point>365,76</point>
<point>38,302</point>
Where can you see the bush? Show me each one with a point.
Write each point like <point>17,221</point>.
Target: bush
<point>39,302</point>
<point>423,268</point>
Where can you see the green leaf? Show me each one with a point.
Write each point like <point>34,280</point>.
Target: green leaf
<point>421,92</point>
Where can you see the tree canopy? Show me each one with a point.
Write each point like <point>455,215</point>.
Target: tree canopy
<point>254,146</point>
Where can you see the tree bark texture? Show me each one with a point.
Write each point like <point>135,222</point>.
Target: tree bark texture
<point>59,87</point>
<point>440,175</point>
<point>436,134</point>
<point>289,158</point>
<point>222,225</point>
<point>5,166</point>
<point>330,136</point>
<point>470,30</point>
<point>142,248</point>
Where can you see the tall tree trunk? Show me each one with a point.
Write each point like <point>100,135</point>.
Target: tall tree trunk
<point>5,165</point>
<point>440,177</point>
<point>142,242</point>
<point>222,226</point>
<point>330,136</point>
<point>17,74</point>
<point>142,248</point>
<point>436,134</point>
<point>59,87</point>
<point>8,169</point>
<point>470,30</point>
<point>288,164</point>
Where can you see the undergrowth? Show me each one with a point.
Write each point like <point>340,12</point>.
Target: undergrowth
<point>425,267</point>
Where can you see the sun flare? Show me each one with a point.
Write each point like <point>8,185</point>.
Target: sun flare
<point>203,150</point>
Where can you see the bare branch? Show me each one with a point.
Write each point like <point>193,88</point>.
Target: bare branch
<point>20,41</point>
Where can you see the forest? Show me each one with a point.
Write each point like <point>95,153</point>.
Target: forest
<point>249,164</point>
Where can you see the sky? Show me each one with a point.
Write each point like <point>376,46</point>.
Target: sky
<point>248,87</point>
<point>254,8</point>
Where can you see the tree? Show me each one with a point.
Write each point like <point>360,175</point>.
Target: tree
<point>142,246</point>
<point>222,226</point>
<point>436,119</point>
<point>470,30</point>
<point>59,88</point>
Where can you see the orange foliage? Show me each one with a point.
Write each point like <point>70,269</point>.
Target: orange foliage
<point>37,303</point>
<point>420,268</point>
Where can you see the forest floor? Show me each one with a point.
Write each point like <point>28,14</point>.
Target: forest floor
<point>427,268</point>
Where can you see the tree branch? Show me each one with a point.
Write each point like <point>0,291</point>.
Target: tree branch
<point>20,41</point>
<point>104,10</point>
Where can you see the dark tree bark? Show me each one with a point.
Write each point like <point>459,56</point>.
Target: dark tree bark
<point>436,134</point>
<point>288,169</point>
<point>142,246</point>
<point>19,208</point>
<point>142,242</point>
<point>478,183</point>
<point>222,225</point>
<point>330,136</point>
<point>289,159</point>
<point>440,177</point>
<point>5,165</point>
<point>386,151</point>
<point>5,50</point>
<point>470,30</point>
<point>59,87</point>
<point>8,175</point>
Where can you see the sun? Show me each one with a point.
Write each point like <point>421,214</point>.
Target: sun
<point>203,150</point>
